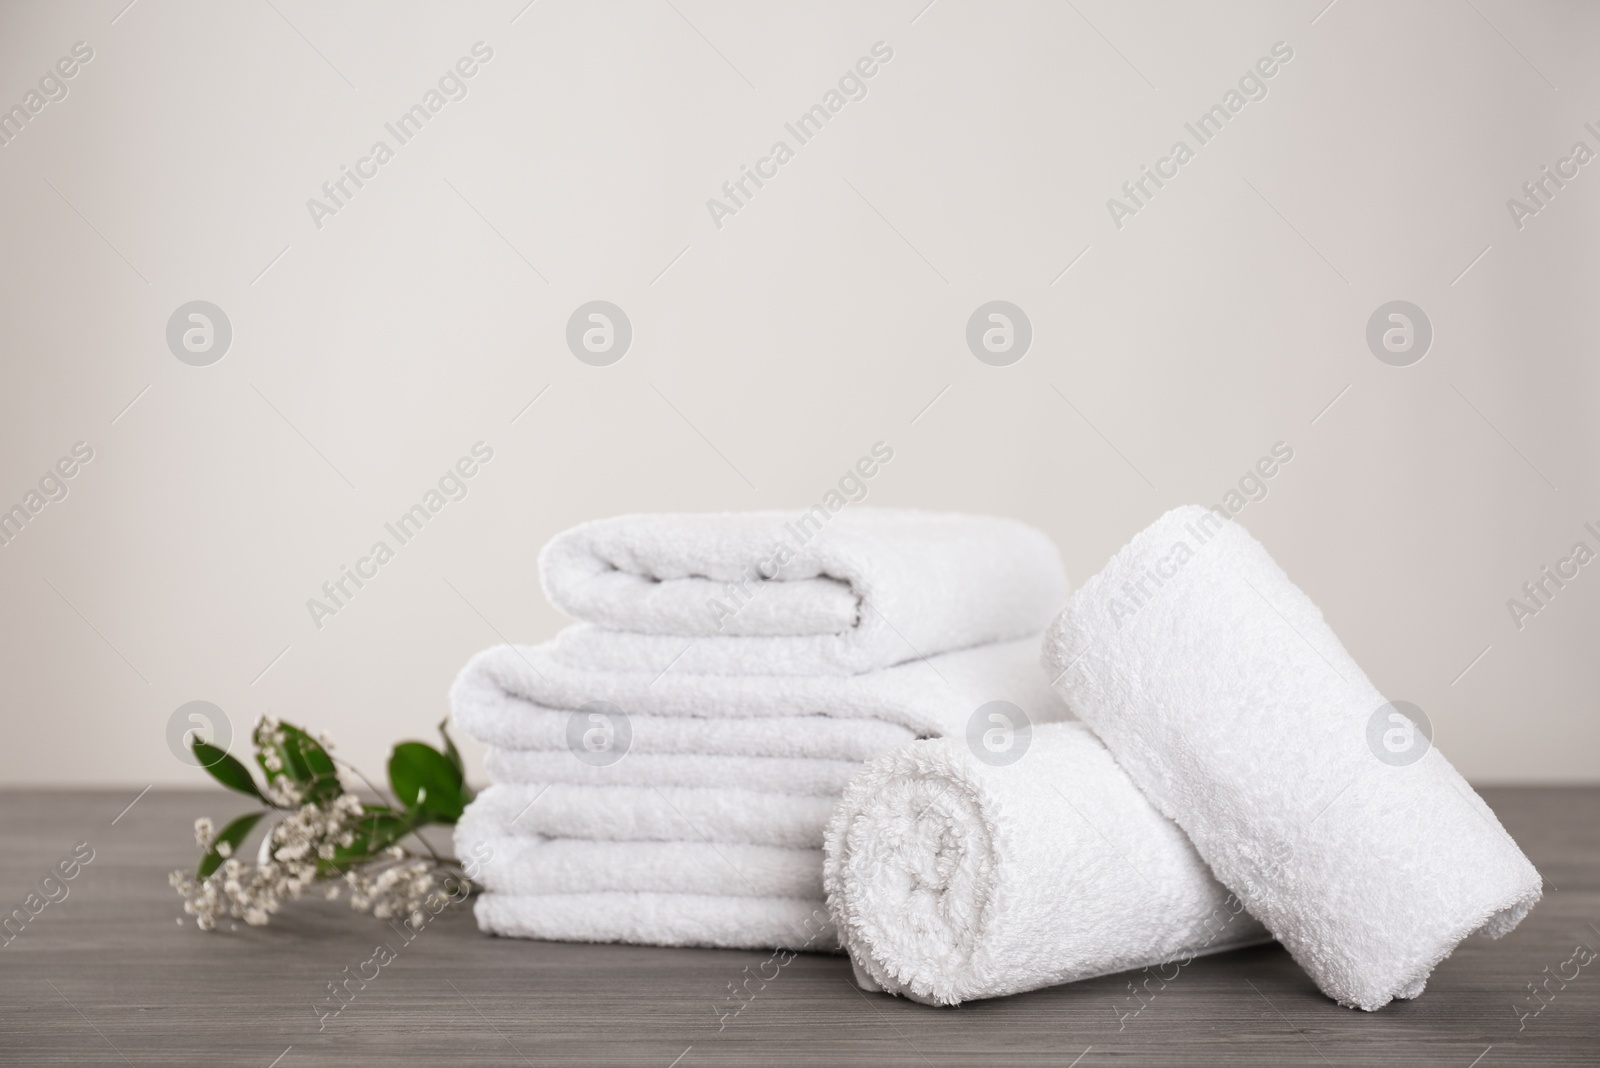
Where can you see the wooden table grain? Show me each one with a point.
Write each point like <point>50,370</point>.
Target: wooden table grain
<point>107,976</point>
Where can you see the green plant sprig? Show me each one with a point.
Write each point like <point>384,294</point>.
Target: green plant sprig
<point>324,831</point>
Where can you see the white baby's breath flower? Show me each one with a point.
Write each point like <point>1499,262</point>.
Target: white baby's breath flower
<point>203,831</point>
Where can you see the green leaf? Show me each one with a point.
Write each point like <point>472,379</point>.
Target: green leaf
<point>304,761</point>
<point>450,753</point>
<point>225,768</point>
<point>426,782</point>
<point>454,757</point>
<point>234,834</point>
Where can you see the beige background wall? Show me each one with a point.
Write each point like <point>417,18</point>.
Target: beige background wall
<point>369,354</point>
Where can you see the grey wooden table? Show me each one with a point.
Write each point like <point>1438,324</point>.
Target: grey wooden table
<point>107,976</point>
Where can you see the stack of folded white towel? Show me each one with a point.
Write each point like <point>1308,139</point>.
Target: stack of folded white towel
<point>665,769</point>
<point>770,731</point>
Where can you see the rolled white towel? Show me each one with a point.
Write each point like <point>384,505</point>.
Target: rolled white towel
<point>783,775</point>
<point>503,695</point>
<point>654,919</point>
<point>953,879</point>
<point>1219,687</point>
<point>654,814</point>
<point>789,593</point>
<point>523,865</point>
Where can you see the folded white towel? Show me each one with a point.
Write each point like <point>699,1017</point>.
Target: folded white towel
<point>798,593</point>
<point>510,722</point>
<point>1219,687</point>
<point>501,691</point>
<point>783,775</point>
<point>522,865</point>
<point>653,814</point>
<point>655,919</point>
<point>952,879</point>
